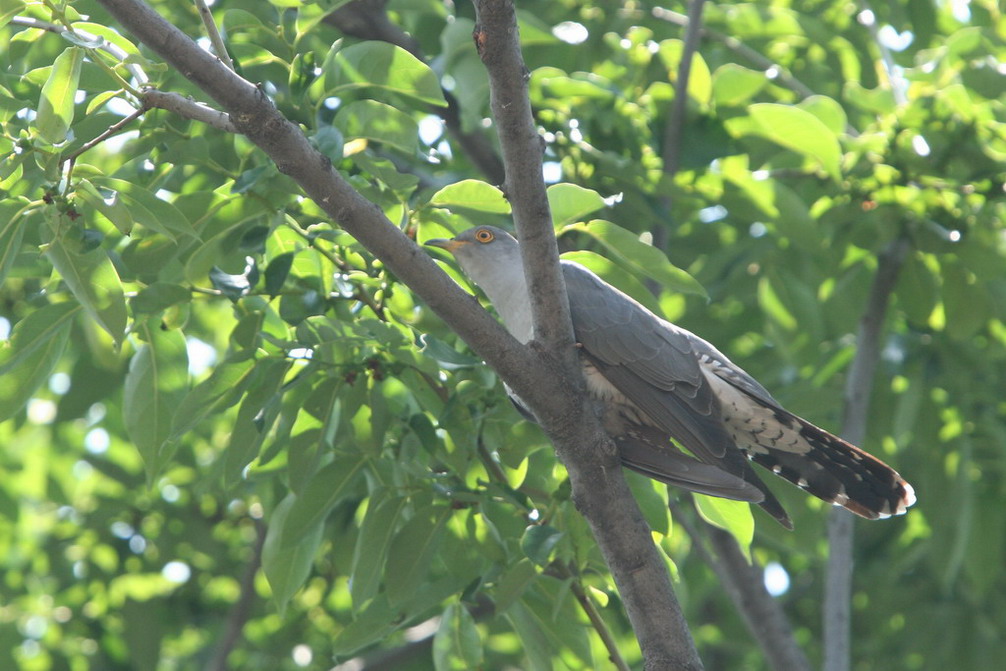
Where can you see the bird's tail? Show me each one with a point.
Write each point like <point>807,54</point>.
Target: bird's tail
<point>838,472</point>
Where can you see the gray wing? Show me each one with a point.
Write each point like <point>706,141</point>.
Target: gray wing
<point>651,361</point>
<point>659,367</point>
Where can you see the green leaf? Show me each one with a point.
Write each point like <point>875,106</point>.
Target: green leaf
<point>159,296</point>
<point>11,233</point>
<point>276,273</point>
<point>734,85</point>
<point>879,101</point>
<point>255,417</point>
<point>91,277</point>
<point>445,355</point>
<point>109,204</point>
<point>55,107</point>
<point>372,625</point>
<point>372,544</point>
<point>534,643</point>
<point>378,122</point>
<point>146,209</point>
<point>571,203</point>
<point>772,305</point>
<point>457,644</point>
<point>221,390</point>
<point>639,256</point>
<point>35,347</point>
<point>733,517</point>
<point>801,132</point>
<point>699,79</point>
<point>286,566</point>
<point>328,486</point>
<point>512,584</point>
<point>471,194</point>
<point>155,384</point>
<point>381,65</point>
<point>412,551</point>
<point>614,275</point>
<point>538,542</point>
<point>828,110</point>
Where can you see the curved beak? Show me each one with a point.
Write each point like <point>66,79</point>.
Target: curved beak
<point>450,244</point>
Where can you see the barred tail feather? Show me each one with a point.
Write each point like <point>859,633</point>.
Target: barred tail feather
<point>840,473</point>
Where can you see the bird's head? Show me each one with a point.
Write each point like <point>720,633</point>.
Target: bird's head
<point>485,253</point>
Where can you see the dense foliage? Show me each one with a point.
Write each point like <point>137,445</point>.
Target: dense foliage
<point>202,373</point>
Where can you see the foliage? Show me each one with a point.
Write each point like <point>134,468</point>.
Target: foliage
<point>199,363</point>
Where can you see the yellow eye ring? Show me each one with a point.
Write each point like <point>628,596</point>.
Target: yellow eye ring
<point>484,235</point>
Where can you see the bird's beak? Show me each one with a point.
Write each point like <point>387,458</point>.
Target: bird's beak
<point>450,244</point>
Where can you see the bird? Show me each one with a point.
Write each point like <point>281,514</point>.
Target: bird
<point>655,385</point>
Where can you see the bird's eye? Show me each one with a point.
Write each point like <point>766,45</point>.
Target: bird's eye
<point>484,235</point>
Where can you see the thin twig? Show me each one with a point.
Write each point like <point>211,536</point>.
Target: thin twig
<point>674,129</point>
<point>836,614</point>
<point>214,33</point>
<point>102,45</point>
<point>600,626</point>
<point>108,132</point>
<point>361,295</point>
<point>188,109</point>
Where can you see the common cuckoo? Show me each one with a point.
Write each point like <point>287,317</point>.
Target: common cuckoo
<point>652,381</point>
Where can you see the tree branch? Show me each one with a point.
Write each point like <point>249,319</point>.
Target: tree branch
<point>599,488</point>
<point>836,612</point>
<point>214,34</point>
<point>498,43</point>
<point>188,109</point>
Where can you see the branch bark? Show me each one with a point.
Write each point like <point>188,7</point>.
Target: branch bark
<point>543,374</point>
<point>836,613</point>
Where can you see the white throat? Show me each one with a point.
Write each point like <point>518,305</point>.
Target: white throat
<point>507,290</point>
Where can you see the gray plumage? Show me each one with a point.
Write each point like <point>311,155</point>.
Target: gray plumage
<point>653,381</point>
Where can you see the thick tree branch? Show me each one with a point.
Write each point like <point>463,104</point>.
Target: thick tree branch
<point>498,44</point>
<point>836,612</point>
<point>367,20</point>
<point>541,378</point>
<point>599,488</point>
